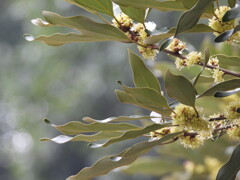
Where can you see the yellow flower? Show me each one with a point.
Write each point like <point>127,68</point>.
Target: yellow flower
<point>123,19</point>
<point>213,61</point>
<point>176,45</point>
<point>187,119</point>
<point>234,133</point>
<point>193,58</point>
<point>232,111</point>
<point>180,63</point>
<point>192,142</point>
<point>218,75</point>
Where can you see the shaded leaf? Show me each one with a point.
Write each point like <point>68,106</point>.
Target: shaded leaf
<point>120,118</point>
<point>102,6</point>
<point>75,127</point>
<point>86,26</point>
<point>143,77</point>
<point>59,39</point>
<point>231,168</point>
<point>165,44</point>
<point>228,60</point>
<point>226,93</point>
<point>128,99</point>
<point>199,28</point>
<point>126,157</point>
<point>160,5</point>
<point>134,13</point>
<point>231,3</point>
<point>190,18</point>
<point>232,13</point>
<point>223,86</point>
<point>132,134</point>
<point>180,88</point>
<point>82,137</point>
<point>227,34</point>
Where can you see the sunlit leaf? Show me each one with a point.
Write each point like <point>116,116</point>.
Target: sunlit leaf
<point>59,39</point>
<point>223,86</point>
<point>199,28</point>
<point>128,99</point>
<point>143,77</point>
<point>231,168</point>
<point>126,157</point>
<point>86,26</point>
<point>82,137</point>
<point>75,127</point>
<point>132,134</point>
<point>134,13</point>
<point>102,6</point>
<point>180,88</point>
<point>190,18</point>
<point>160,5</point>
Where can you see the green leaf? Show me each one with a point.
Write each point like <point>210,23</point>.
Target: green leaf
<point>199,28</point>
<point>59,39</point>
<point>180,88</point>
<point>120,118</point>
<point>227,34</point>
<point>82,137</point>
<point>160,5</point>
<point>232,13</point>
<point>86,27</point>
<point>190,18</point>
<point>134,13</point>
<point>102,6</point>
<point>165,44</point>
<point>126,157</point>
<point>231,3</point>
<point>188,4</point>
<point>146,96</point>
<point>128,99</point>
<point>75,127</point>
<point>231,168</point>
<point>153,166</point>
<point>143,77</point>
<point>228,60</point>
<point>223,86</point>
<point>226,93</point>
<point>131,135</point>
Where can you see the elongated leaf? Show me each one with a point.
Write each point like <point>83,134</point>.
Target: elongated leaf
<point>86,26</point>
<point>128,99</point>
<point>120,118</point>
<point>134,13</point>
<point>153,166</point>
<point>131,135</point>
<point>59,39</point>
<point>232,13</point>
<point>188,4</point>
<point>223,86</point>
<point>143,77</point>
<point>231,168</point>
<point>160,5</point>
<point>75,127</point>
<point>199,28</point>
<point>102,6</point>
<point>82,137</point>
<point>180,88</point>
<point>190,18</point>
<point>146,96</point>
<point>228,60</point>
<point>226,93</point>
<point>126,157</point>
<point>227,34</point>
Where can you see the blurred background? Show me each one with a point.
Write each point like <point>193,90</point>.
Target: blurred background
<point>62,84</point>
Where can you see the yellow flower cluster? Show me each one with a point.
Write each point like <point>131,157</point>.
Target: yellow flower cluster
<point>161,132</point>
<point>217,73</point>
<point>137,33</point>
<point>234,132</point>
<point>191,59</point>
<point>187,119</point>
<point>192,142</point>
<point>232,112</point>
<point>176,46</point>
<point>219,26</point>
<point>122,20</point>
